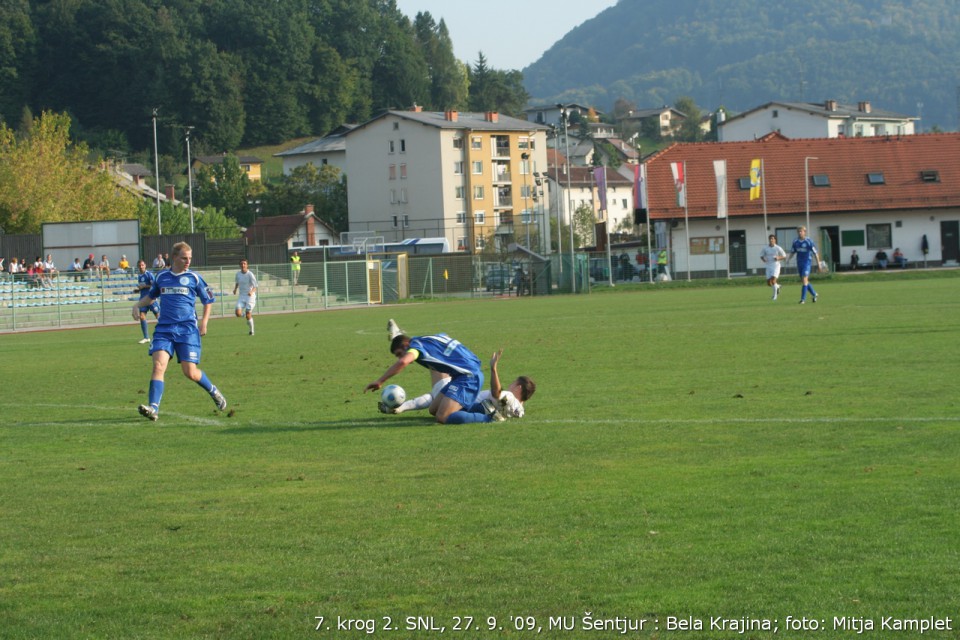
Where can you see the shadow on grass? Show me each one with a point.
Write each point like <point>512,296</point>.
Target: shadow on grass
<point>334,425</point>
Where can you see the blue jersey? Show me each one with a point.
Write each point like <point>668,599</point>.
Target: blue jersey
<point>805,250</point>
<point>443,353</point>
<point>145,282</point>
<point>178,294</point>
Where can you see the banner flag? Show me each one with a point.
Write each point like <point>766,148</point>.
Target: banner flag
<point>755,178</point>
<point>640,193</point>
<point>720,171</point>
<point>600,177</point>
<point>678,181</point>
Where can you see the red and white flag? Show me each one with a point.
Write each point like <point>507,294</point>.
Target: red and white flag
<point>679,182</point>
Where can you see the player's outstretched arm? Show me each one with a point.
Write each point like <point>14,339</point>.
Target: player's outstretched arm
<point>495,387</point>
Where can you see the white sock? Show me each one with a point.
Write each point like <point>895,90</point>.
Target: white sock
<point>250,323</point>
<point>416,404</point>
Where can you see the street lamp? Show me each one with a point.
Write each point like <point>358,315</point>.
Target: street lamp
<point>806,181</point>
<point>573,246</point>
<point>556,182</point>
<point>156,168</point>
<point>526,193</point>
<point>190,177</point>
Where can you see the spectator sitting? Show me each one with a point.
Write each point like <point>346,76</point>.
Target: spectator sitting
<point>105,266</point>
<point>77,269</point>
<point>854,260</point>
<point>90,266</point>
<point>158,262</point>
<point>124,266</point>
<point>882,259</point>
<point>899,258</point>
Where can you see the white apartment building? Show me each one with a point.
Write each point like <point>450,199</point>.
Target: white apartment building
<point>828,119</point>
<point>467,177</point>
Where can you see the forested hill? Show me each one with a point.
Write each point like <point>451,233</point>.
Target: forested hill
<point>238,71</point>
<point>743,53</point>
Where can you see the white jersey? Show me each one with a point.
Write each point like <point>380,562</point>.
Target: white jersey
<point>512,408</point>
<point>246,288</point>
<point>769,256</point>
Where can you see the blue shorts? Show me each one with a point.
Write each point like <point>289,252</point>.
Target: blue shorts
<point>803,270</point>
<point>464,389</point>
<point>155,307</point>
<point>180,340</point>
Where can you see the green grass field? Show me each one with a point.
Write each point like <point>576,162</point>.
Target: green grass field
<point>692,456</point>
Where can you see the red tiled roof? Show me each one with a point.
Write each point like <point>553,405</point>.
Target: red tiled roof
<point>845,161</point>
<point>275,229</point>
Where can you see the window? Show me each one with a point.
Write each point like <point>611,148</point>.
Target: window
<point>396,126</point>
<point>479,217</point>
<point>461,243</point>
<point>395,222</point>
<point>393,196</point>
<point>458,168</point>
<point>462,217</point>
<point>459,192</point>
<point>391,147</point>
<point>776,113</point>
<point>403,146</point>
<point>624,203</point>
<point>477,167</point>
<point>478,192</point>
<point>525,191</point>
<point>820,180</point>
<point>879,236</point>
<point>476,142</point>
<point>875,178</point>
<point>526,216</point>
<point>458,143</point>
<point>406,221</point>
<point>393,172</point>
<point>481,243</point>
<point>403,195</point>
<point>524,166</point>
<point>930,175</point>
<point>523,142</point>
<point>403,172</point>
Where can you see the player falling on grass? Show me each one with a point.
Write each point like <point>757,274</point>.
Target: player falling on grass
<point>144,282</point>
<point>496,402</point>
<point>445,355</point>
<point>771,255</point>
<point>178,331</point>
<point>246,283</point>
<point>806,251</point>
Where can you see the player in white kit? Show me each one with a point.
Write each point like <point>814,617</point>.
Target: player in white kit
<point>772,255</point>
<point>246,283</point>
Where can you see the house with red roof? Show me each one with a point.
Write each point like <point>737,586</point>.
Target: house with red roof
<point>296,231</point>
<point>865,194</point>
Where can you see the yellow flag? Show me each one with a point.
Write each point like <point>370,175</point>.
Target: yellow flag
<point>755,179</point>
<point>446,276</point>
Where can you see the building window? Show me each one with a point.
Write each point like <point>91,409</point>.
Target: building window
<point>776,113</point>
<point>479,217</point>
<point>526,216</point>
<point>403,172</point>
<point>393,172</point>
<point>459,192</point>
<point>403,146</point>
<point>393,196</point>
<point>879,236</point>
<point>403,195</point>
<point>396,126</point>
<point>458,143</point>
<point>390,146</point>
<point>524,166</point>
<point>395,222</point>
<point>406,221</point>
<point>476,142</point>
<point>461,217</point>
<point>461,243</point>
<point>458,168</point>
<point>875,178</point>
<point>930,175</point>
<point>478,192</point>
<point>820,180</point>
<point>477,167</point>
<point>744,184</point>
<point>481,243</point>
<point>523,142</point>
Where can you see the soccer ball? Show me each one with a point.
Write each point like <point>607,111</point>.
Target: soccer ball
<point>393,396</point>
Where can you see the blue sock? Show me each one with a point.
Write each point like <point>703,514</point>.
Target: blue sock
<point>463,417</point>
<point>204,382</point>
<point>143,327</point>
<point>475,408</point>
<point>155,393</point>
<point>803,292</point>
<point>810,288</point>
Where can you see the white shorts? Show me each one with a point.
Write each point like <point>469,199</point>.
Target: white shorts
<point>247,303</point>
<point>773,270</point>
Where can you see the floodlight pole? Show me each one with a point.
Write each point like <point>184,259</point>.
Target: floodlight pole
<point>573,245</point>
<point>190,177</point>
<point>156,168</point>
<point>806,185</point>
<point>556,182</point>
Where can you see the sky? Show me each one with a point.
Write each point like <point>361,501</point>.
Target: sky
<point>511,33</point>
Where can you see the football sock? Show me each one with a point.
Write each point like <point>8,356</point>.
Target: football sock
<point>810,289</point>
<point>143,327</point>
<point>155,393</point>
<point>463,417</point>
<point>204,382</point>
<point>420,402</point>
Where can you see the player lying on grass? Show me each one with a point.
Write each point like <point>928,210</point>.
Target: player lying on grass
<point>509,402</point>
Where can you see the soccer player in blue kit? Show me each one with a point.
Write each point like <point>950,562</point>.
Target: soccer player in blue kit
<point>805,251</point>
<point>446,355</point>
<point>144,282</point>
<point>178,331</point>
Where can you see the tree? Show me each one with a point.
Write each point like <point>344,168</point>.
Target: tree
<point>690,130</point>
<point>176,219</point>
<point>44,177</point>
<point>584,222</point>
<point>17,51</point>
<point>226,186</point>
<point>448,76</point>
<point>324,188</point>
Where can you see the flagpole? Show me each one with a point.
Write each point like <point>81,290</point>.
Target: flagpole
<point>763,192</point>
<point>686,214</point>
<point>727,242</point>
<point>646,203</point>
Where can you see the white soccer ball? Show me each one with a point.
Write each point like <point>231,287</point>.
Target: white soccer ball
<point>393,396</point>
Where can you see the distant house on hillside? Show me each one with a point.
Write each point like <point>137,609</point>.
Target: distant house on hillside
<point>330,150</point>
<point>667,119</point>
<point>296,231</point>
<point>251,165</point>
<point>550,114</point>
<point>827,119</point>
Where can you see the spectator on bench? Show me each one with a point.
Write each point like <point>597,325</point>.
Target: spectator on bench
<point>854,260</point>
<point>899,259</point>
<point>882,259</point>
